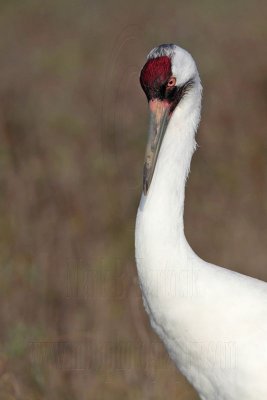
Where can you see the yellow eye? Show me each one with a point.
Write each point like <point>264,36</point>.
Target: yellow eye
<point>171,82</point>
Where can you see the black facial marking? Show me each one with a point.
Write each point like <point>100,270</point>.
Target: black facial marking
<point>175,94</point>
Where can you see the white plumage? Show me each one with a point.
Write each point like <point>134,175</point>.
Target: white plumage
<point>213,321</point>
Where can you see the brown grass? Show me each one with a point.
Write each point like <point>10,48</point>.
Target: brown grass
<point>73,129</point>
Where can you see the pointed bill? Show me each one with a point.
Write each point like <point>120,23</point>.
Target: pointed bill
<point>159,118</point>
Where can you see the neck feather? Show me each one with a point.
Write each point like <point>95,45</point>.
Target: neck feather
<point>160,214</point>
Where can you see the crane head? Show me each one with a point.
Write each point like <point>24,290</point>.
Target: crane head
<point>166,77</point>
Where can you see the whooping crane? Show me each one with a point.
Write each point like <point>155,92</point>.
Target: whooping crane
<point>213,321</point>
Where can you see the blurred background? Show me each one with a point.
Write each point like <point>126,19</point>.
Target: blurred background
<point>73,123</point>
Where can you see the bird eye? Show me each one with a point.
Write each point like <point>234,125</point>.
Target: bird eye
<point>171,82</point>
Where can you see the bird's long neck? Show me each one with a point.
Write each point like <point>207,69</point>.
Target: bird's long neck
<point>160,214</point>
